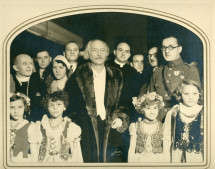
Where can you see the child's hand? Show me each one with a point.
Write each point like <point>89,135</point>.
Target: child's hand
<point>116,123</point>
<point>175,109</point>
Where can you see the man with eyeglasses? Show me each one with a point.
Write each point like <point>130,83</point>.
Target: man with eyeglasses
<point>166,78</point>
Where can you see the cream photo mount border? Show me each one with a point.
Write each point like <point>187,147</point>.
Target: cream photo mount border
<point>96,9</point>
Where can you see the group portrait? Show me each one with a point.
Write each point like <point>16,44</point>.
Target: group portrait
<point>107,87</point>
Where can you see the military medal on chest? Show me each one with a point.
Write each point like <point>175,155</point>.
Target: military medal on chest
<point>176,73</point>
<point>182,75</point>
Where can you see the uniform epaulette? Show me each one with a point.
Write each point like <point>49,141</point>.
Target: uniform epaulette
<point>192,64</point>
<point>189,65</point>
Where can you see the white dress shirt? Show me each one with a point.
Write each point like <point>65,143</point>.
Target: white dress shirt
<point>99,80</point>
<point>22,79</point>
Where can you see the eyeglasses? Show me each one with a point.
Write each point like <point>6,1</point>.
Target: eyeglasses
<point>170,47</point>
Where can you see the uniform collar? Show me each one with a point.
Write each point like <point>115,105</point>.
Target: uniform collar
<point>175,62</point>
<point>154,68</point>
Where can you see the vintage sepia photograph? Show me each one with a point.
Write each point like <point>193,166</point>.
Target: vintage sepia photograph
<point>106,86</point>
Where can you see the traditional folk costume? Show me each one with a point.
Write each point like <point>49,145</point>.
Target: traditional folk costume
<point>19,146</point>
<point>55,142</point>
<point>149,146</point>
<point>186,133</point>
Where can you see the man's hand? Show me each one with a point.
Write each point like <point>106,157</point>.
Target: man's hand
<point>116,123</point>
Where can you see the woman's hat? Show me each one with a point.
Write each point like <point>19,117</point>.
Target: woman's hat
<point>63,59</point>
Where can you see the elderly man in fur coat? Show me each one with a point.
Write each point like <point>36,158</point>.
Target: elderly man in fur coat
<point>94,91</point>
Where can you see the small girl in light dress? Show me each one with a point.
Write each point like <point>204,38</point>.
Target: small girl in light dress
<point>184,123</point>
<point>54,138</point>
<point>147,143</point>
<point>19,110</point>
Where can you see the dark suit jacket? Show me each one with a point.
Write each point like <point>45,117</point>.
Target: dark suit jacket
<point>35,91</point>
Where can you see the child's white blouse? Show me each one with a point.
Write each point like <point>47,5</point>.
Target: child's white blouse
<point>54,138</point>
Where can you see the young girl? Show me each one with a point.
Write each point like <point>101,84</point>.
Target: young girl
<point>58,79</point>
<point>19,110</point>
<point>55,139</point>
<point>184,123</point>
<point>146,142</point>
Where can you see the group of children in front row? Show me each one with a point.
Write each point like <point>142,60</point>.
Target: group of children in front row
<point>57,139</point>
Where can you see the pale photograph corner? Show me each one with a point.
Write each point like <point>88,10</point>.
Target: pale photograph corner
<point>48,22</point>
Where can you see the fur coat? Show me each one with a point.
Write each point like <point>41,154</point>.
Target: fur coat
<point>80,88</point>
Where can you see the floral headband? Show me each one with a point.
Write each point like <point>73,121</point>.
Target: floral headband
<point>147,98</point>
<point>21,95</point>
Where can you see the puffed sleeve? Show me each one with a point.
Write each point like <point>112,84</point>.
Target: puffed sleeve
<point>132,129</point>
<point>73,132</point>
<point>34,133</point>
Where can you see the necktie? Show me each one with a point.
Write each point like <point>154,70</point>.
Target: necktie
<point>70,71</point>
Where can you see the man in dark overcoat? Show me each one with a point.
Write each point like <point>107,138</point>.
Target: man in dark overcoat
<point>94,91</point>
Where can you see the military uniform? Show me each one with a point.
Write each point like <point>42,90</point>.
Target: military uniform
<point>166,79</point>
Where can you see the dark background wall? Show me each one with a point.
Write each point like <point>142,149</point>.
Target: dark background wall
<point>29,43</point>
<point>140,31</point>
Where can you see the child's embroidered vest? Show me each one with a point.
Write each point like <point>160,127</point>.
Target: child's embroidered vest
<point>19,141</point>
<point>156,139</point>
<point>187,136</point>
<point>64,145</point>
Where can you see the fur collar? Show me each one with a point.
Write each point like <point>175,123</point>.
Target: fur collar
<point>84,77</point>
<point>114,82</point>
